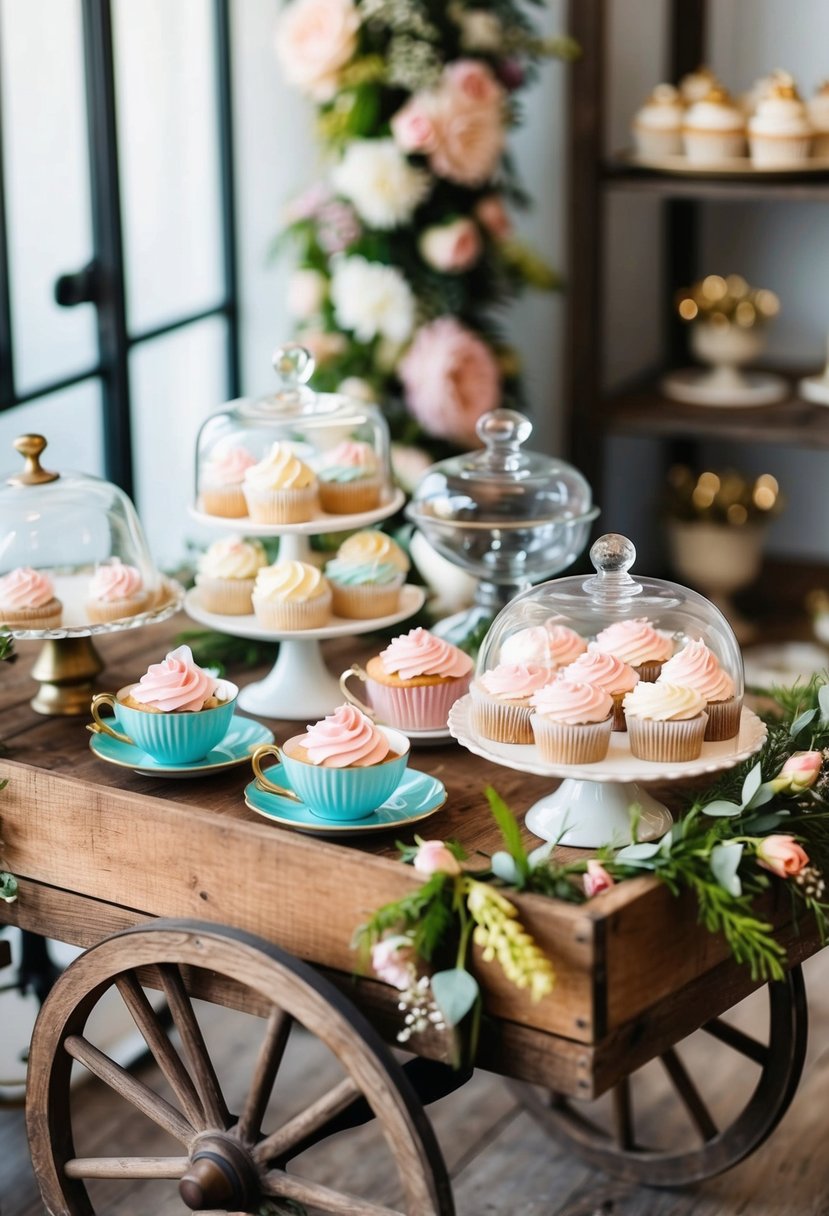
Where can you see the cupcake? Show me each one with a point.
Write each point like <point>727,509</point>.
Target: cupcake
<point>366,576</point>
<point>607,672</point>
<point>665,722</point>
<point>548,645</point>
<point>696,667</point>
<point>818,111</point>
<point>28,601</point>
<point>695,85</point>
<point>220,484</point>
<point>227,573</point>
<point>713,129</point>
<point>750,100</point>
<point>281,489</point>
<point>345,738</point>
<point>657,126</point>
<point>416,680</point>
<point>572,722</point>
<point>178,685</point>
<point>637,643</point>
<point>349,479</point>
<point>291,595</point>
<point>501,701</point>
<point>780,133</point>
<point>116,591</point>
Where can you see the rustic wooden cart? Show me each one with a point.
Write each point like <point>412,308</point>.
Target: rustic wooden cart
<point>177,886</point>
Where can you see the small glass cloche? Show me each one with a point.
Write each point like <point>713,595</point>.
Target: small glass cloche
<point>294,455</point>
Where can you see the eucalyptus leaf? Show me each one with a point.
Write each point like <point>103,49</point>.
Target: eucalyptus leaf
<point>758,824</point>
<point>823,702</point>
<point>751,785</point>
<point>720,809</point>
<point>800,723</point>
<point>725,861</point>
<point>666,843</point>
<point>764,794</point>
<point>638,852</point>
<point>455,992</point>
<point>503,866</point>
<point>541,854</point>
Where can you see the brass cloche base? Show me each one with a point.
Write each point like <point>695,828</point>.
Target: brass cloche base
<point>65,670</point>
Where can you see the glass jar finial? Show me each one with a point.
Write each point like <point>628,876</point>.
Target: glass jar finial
<point>612,556</point>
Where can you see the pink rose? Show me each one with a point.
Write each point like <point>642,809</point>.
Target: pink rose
<point>800,772</point>
<point>473,80</point>
<point>314,40</point>
<point>596,879</point>
<point>306,292</point>
<point>782,855</point>
<point>450,377</point>
<point>393,961</point>
<point>492,215</point>
<point>413,127</point>
<point>470,140</point>
<point>433,855</point>
<point>451,248</point>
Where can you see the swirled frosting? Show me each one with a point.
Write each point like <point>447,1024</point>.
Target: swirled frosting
<point>696,667</point>
<point>548,645</point>
<point>420,653</point>
<point>568,701</point>
<point>514,681</point>
<point>635,642</point>
<point>25,588</point>
<point>345,739</point>
<point>114,581</point>
<point>603,670</point>
<point>781,111</point>
<point>351,460</point>
<point>715,112</point>
<point>177,683</point>
<point>295,581</point>
<point>663,702</point>
<point>233,557</point>
<point>372,546</point>
<point>281,469</point>
<point>353,574</point>
<point>227,466</point>
<point>662,111</point>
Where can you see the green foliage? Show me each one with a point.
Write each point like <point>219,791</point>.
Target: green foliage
<point>219,651</point>
<point>7,653</point>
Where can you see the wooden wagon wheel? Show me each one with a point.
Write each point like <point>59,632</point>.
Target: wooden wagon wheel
<point>614,1147</point>
<point>226,1163</point>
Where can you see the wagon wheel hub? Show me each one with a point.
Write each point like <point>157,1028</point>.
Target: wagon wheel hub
<point>221,1175</point>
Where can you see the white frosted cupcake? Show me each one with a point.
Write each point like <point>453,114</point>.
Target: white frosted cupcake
<point>750,100</point>
<point>281,489</point>
<point>696,667</point>
<point>501,701</point>
<point>227,573</point>
<point>548,645</point>
<point>220,483</point>
<point>349,479</point>
<point>780,132</point>
<point>657,126</point>
<point>291,595</point>
<point>116,591</point>
<point>366,575</point>
<point>818,111</point>
<point>696,85</point>
<point>665,722</point>
<point>714,129</point>
<point>572,723</point>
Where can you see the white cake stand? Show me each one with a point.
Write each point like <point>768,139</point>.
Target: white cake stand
<point>591,807</point>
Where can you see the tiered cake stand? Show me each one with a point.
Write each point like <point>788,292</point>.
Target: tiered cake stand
<point>591,807</point>
<point>299,685</point>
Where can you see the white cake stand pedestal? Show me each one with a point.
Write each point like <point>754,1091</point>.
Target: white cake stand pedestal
<point>591,808</point>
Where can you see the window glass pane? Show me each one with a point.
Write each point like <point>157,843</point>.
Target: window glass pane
<point>71,420</point>
<point>168,135</point>
<point>176,382</point>
<point>47,184</point>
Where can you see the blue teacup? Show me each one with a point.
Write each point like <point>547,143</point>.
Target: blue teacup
<point>171,738</point>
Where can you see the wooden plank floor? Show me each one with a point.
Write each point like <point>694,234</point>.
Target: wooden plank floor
<point>501,1163</point>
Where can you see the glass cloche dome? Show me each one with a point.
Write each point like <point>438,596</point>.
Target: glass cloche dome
<point>343,441</point>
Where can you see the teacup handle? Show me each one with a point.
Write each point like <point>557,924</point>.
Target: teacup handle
<point>101,727</point>
<point>356,670</point>
<point>270,749</point>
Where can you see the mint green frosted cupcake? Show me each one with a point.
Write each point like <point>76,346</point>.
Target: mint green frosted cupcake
<point>349,479</point>
<point>366,576</point>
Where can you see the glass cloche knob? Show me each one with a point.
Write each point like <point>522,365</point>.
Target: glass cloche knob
<point>294,365</point>
<point>32,474</point>
<point>612,556</point>
<point>502,432</point>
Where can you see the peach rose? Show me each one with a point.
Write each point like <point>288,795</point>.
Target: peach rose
<point>314,40</point>
<point>493,217</point>
<point>782,855</point>
<point>470,141</point>
<point>451,248</point>
<point>393,959</point>
<point>450,377</point>
<point>800,772</point>
<point>413,127</point>
<point>433,855</point>
<point>474,81</point>
<point>596,879</point>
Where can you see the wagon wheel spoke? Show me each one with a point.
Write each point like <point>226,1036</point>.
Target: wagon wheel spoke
<point>561,1103</point>
<point>739,1040</point>
<point>195,1048</point>
<point>267,1065</point>
<point>689,1095</point>
<point>285,1141</point>
<point>163,1052</point>
<point>623,1132</point>
<point>130,1088</point>
<point>338,1203</point>
<point>126,1167</point>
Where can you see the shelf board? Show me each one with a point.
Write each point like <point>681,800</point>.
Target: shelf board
<point>621,177</point>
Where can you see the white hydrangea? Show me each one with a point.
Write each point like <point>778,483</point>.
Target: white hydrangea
<point>378,180</point>
<point>370,298</point>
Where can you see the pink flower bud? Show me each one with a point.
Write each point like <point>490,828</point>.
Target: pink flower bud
<point>393,961</point>
<point>596,879</point>
<point>432,856</point>
<point>782,855</point>
<point>800,772</point>
<point>451,248</point>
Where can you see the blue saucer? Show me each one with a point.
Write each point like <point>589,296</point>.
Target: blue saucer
<point>244,735</point>
<point>417,796</point>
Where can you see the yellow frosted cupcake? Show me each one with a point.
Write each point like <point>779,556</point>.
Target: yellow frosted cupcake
<point>349,479</point>
<point>291,595</point>
<point>366,575</point>
<point>281,489</point>
<point>227,573</point>
<point>665,722</point>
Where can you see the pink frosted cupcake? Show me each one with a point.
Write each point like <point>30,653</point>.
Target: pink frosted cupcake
<point>607,672</point>
<point>177,685</point>
<point>548,645</point>
<point>28,600</point>
<point>116,591</point>
<point>665,722</point>
<point>221,482</point>
<point>696,667</point>
<point>637,643</point>
<point>501,701</point>
<point>349,479</point>
<point>572,722</point>
<point>416,680</point>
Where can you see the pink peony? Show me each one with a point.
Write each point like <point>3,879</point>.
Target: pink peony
<point>433,855</point>
<point>473,80</point>
<point>800,772</point>
<point>413,127</point>
<point>314,40</point>
<point>450,377</point>
<point>492,215</point>
<point>782,855</point>
<point>596,879</point>
<point>393,961</point>
<point>451,248</point>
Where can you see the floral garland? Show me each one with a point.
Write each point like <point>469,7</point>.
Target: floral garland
<point>727,847</point>
<point>407,246</point>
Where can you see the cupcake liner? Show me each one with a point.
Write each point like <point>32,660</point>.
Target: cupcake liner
<point>572,743</point>
<point>769,151</point>
<point>287,615</point>
<point>618,717</point>
<point>418,706</point>
<point>227,596</point>
<point>100,611</point>
<point>47,616</point>
<point>709,147</point>
<point>364,603</point>
<point>679,739</point>
<point>227,501</point>
<point>502,721</point>
<point>282,506</point>
<point>649,672</point>
<point>350,497</point>
<point>820,145</point>
<point>657,143</point>
<point>723,719</point>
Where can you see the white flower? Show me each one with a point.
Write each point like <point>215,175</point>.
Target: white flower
<point>370,299</point>
<point>358,389</point>
<point>378,179</point>
<point>480,30</point>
